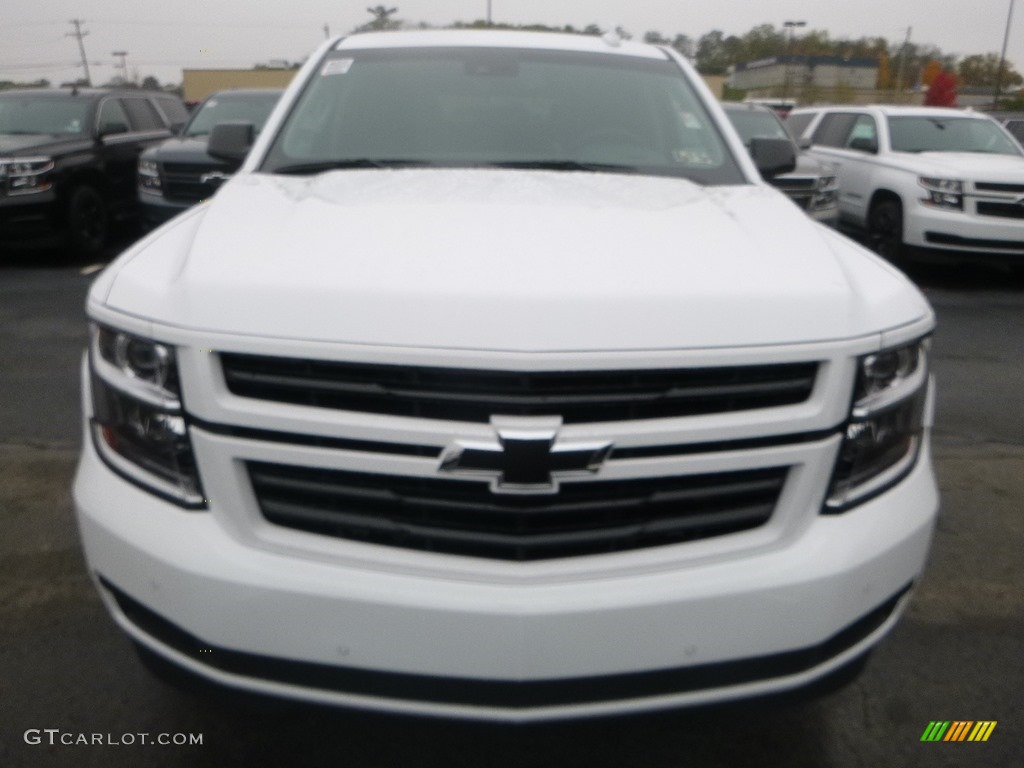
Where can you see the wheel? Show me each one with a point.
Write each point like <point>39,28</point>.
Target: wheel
<point>88,222</point>
<point>885,229</point>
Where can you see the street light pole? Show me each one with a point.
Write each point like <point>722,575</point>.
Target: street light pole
<point>1002,58</point>
<point>791,26</point>
<point>488,13</point>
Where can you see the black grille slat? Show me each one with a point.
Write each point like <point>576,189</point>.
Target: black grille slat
<point>181,181</point>
<point>476,395</point>
<point>1003,210</point>
<point>991,186</point>
<point>465,517</point>
<point>795,184</point>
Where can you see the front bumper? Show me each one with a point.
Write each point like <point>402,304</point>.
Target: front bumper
<point>927,227</point>
<point>31,220</point>
<point>381,636</point>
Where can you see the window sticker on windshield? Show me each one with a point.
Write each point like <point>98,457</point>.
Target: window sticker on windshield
<point>690,120</point>
<point>336,67</point>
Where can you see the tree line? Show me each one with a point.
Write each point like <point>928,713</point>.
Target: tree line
<point>714,52</point>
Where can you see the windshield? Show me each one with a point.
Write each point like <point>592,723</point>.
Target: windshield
<point>21,115</point>
<point>473,107</point>
<point>948,134</point>
<point>755,124</point>
<point>252,108</point>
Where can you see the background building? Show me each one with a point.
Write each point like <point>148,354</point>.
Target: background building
<point>197,84</point>
<point>807,78</point>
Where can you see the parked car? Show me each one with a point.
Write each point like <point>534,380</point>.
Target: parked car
<point>498,383</point>
<point>1015,125</point>
<point>948,180</point>
<point>68,157</point>
<point>178,173</point>
<point>812,186</point>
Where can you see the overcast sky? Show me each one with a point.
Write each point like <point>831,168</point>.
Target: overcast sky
<point>162,38</point>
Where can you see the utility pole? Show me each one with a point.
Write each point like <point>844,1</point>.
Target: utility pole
<point>903,62</point>
<point>1002,59</point>
<point>81,48</point>
<point>488,13</point>
<point>123,65</point>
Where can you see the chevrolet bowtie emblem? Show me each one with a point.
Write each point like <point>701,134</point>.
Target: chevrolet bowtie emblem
<point>525,457</point>
<point>214,176</point>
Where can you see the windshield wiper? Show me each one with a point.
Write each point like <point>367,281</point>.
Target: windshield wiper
<point>362,162</point>
<point>562,165</point>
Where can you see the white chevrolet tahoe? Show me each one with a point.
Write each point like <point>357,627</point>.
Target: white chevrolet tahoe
<point>922,177</point>
<point>498,384</point>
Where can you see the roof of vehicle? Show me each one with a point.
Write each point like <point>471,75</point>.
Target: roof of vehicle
<point>475,38</point>
<point>247,92</point>
<point>739,106</point>
<point>895,110</point>
<point>50,93</point>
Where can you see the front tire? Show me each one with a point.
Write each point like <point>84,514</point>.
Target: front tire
<point>885,229</point>
<point>88,221</point>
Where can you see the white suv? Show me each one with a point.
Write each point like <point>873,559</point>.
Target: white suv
<point>924,177</point>
<point>489,386</point>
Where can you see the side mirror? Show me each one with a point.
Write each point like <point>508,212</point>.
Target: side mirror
<point>773,157</point>
<point>231,141</point>
<point>864,144</point>
<point>804,142</point>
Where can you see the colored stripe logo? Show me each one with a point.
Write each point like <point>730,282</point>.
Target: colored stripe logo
<point>958,730</point>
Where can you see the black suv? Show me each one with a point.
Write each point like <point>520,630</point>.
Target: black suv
<point>68,159</point>
<point>179,173</point>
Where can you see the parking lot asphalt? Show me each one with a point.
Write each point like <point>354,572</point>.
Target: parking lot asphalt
<point>958,653</point>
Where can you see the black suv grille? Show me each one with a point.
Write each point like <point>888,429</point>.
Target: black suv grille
<point>475,395</point>
<point>799,189</point>
<point>182,181</point>
<point>465,517</point>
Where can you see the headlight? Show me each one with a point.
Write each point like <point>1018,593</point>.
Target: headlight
<point>826,194</point>
<point>26,175</point>
<point>149,177</point>
<point>883,434</point>
<point>943,193</point>
<point>138,424</point>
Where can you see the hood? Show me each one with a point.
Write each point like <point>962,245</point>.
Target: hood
<point>966,165</point>
<point>39,143</point>
<point>183,149</point>
<point>507,260</point>
<point>810,166</point>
